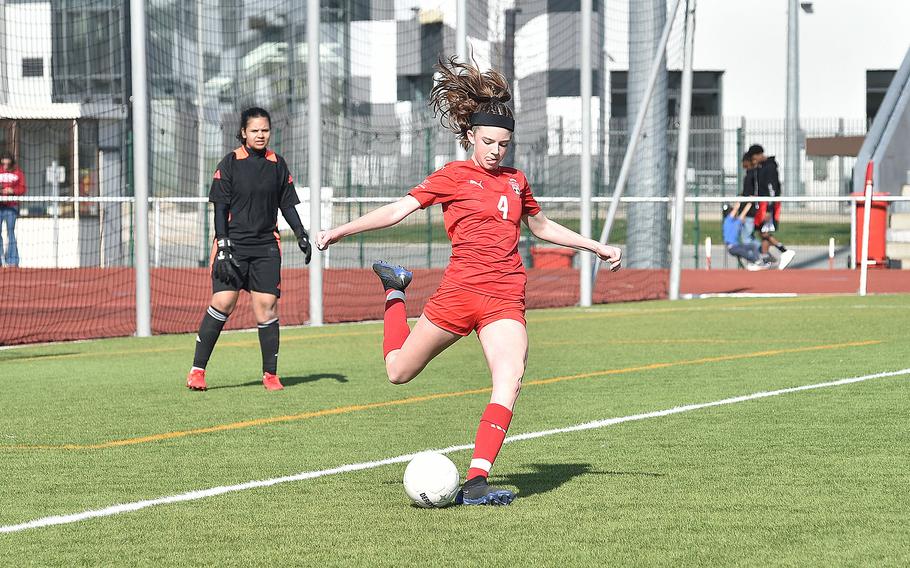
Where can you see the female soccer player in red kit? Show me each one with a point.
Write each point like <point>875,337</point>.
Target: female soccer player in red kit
<point>483,288</point>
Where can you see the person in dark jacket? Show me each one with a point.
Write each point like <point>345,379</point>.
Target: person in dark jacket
<point>767,217</point>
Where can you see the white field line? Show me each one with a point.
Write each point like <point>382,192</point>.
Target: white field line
<point>739,295</point>
<point>214,491</point>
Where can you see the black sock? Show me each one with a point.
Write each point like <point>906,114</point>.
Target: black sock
<point>268,344</point>
<point>781,247</point>
<point>209,330</point>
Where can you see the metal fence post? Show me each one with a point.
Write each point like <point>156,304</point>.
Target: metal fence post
<point>140,108</point>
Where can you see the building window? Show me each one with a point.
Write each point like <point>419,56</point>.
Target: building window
<point>707,88</point>
<point>90,40</point>
<point>877,83</point>
<point>567,82</point>
<point>33,67</point>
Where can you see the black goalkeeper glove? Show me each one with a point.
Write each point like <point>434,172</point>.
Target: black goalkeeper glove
<point>303,241</point>
<point>225,264</point>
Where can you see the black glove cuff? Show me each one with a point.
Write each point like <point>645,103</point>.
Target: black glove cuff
<point>224,243</point>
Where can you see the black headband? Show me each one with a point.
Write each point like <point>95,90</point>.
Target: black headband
<point>490,119</point>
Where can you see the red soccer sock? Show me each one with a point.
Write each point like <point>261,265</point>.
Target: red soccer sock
<point>395,328</point>
<point>492,431</point>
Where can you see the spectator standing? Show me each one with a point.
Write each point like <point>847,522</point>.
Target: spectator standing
<point>12,183</point>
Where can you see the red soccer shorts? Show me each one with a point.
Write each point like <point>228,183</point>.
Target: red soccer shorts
<point>461,311</point>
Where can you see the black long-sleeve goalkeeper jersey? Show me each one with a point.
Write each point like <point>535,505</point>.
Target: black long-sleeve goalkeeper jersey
<point>255,186</point>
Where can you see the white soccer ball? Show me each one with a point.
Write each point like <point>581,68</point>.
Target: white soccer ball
<point>431,480</point>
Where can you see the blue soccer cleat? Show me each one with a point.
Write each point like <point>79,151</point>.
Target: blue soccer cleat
<point>476,491</point>
<point>392,277</point>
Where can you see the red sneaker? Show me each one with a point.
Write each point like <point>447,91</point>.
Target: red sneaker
<point>271,382</point>
<point>196,380</point>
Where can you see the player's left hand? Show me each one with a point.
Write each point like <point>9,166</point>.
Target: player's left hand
<point>326,238</point>
<point>303,241</point>
<point>613,255</point>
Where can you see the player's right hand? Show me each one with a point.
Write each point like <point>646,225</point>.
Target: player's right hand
<point>326,238</point>
<point>610,254</point>
<point>223,268</point>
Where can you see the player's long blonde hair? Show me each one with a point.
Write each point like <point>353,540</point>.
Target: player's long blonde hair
<point>461,90</point>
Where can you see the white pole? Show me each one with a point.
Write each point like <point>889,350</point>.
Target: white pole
<point>140,109</point>
<point>707,253</point>
<point>156,208</point>
<point>314,151</point>
<point>853,235</point>
<point>76,182</point>
<point>867,215</point>
<point>831,253</point>
<point>636,133</point>
<point>200,134</point>
<point>682,155</point>
<point>461,50</point>
<point>791,138</point>
<point>586,282</point>
<point>56,206</point>
<point>101,209</point>
<point>461,35</point>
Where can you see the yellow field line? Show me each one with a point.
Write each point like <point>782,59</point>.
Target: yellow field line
<point>416,399</point>
<point>705,341</point>
<point>622,312</point>
<point>639,342</point>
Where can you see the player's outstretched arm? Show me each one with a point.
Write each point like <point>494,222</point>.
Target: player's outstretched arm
<point>385,216</point>
<point>548,230</point>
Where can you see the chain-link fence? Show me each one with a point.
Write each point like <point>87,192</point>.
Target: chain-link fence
<point>65,118</point>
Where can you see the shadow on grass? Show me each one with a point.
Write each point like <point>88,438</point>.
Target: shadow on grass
<point>25,357</point>
<point>549,476</point>
<point>290,381</point>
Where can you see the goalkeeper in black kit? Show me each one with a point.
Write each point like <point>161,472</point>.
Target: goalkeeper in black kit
<point>249,187</point>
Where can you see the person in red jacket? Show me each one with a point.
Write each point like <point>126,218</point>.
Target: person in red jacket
<point>12,183</point>
<point>484,205</point>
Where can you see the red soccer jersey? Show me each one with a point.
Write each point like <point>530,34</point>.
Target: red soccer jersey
<point>13,183</point>
<point>482,212</point>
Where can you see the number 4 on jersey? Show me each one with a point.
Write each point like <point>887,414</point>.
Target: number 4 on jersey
<point>503,206</point>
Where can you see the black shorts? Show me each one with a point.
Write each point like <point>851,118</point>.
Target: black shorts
<point>257,273</point>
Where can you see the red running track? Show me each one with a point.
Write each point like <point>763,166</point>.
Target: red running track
<point>40,305</point>
<point>792,281</point>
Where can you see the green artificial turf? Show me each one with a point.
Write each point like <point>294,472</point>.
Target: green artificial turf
<point>810,478</point>
<point>416,231</point>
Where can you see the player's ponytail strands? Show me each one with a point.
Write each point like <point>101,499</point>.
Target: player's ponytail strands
<point>462,93</point>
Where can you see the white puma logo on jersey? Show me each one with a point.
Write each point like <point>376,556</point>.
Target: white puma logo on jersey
<point>477,183</point>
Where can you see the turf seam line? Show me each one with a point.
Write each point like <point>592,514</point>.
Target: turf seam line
<point>348,468</point>
<point>159,437</point>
